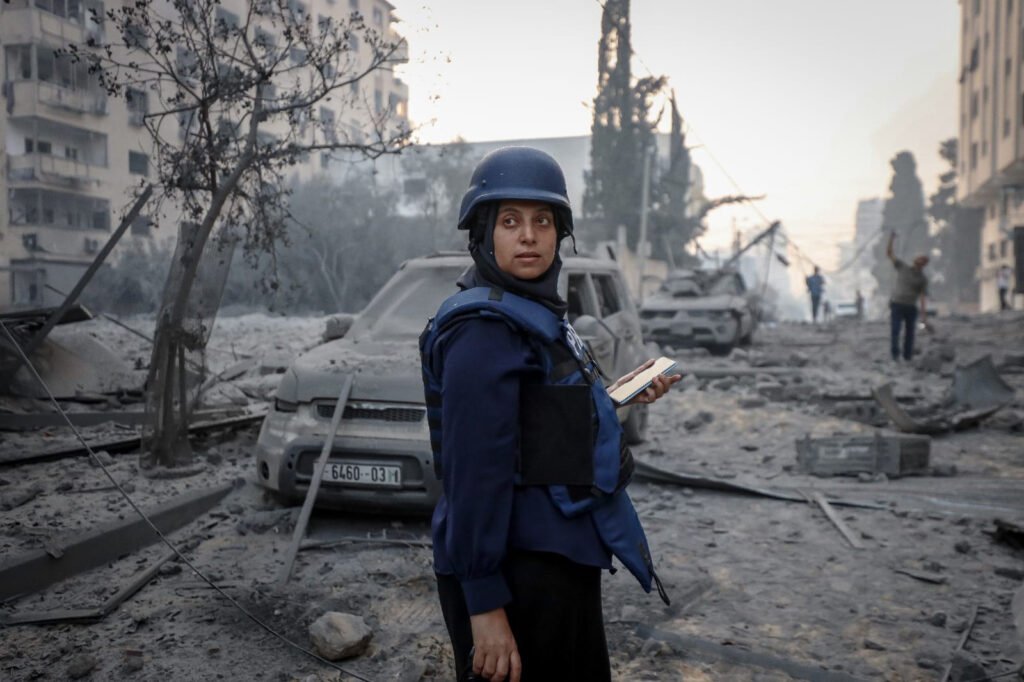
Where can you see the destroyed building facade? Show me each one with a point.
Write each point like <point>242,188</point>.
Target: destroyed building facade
<point>73,155</point>
<point>991,121</point>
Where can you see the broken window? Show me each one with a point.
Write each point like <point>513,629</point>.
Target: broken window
<point>138,163</point>
<point>137,104</point>
<point>142,226</point>
<point>607,295</point>
<point>19,62</point>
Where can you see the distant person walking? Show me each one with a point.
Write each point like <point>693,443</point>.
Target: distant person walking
<point>911,288</point>
<point>859,302</point>
<point>815,286</point>
<point>1003,277</point>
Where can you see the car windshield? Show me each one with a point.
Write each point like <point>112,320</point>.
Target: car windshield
<point>724,285</point>
<point>682,288</point>
<point>406,302</point>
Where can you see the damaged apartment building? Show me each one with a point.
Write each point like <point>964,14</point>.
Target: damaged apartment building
<point>72,156</point>
<point>991,157</point>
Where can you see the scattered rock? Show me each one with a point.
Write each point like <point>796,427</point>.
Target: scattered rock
<point>338,636</point>
<point>963,547</point>
<point>698,420</point>
<point>20,497</point>
<point>873,645</point>
<point>214,458</point>
<point>926,662</point>
<point>943,470</point>
<point>965,667</point>
<point>938,619</point>
<point>105,458</point>
<point>865,477</point>
<point>170,568</point>
<point>1011,573</point>
<point>133,661</point>
<point>725,384</point>
<point>64,486</point>
<point>752,403</point>
<point>81,665</point>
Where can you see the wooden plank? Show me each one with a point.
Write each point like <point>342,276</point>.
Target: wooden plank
<point>314,484</point>
<point>836,521</point>
<point>963,642</point>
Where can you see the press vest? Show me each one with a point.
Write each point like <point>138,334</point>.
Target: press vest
<point>570,441</point>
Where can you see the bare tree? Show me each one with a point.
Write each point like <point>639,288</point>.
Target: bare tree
<point>233,102</point>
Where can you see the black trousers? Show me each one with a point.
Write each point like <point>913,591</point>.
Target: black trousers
<point>902,316</point>
<point>555,616</point>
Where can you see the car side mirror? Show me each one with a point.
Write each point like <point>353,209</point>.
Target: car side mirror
<point>337,326</point>
<point>598,337</point>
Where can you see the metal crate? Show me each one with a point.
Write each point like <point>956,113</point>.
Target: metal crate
<point>893,455</point>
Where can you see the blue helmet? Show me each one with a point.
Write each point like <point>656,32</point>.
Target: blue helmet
<point>517,173</point>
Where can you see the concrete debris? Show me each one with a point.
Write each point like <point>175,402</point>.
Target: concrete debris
<point>37,569</point>
<point>978,392</point>
<point>966,668</point>
<point>338,636</point>
<point>698,420</point>
<point>892,455</point>
<point>81,665</point>
<point>74,363</point>
<point>17,498</point>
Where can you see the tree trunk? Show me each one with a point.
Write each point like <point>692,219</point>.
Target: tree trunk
<point>169,444</point>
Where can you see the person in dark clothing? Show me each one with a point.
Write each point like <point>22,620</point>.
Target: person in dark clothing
<point>519,580</point>
<point>815,286</point>
<point>910,289</point>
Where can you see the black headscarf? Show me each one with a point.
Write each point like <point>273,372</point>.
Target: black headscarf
<point>486,273</point>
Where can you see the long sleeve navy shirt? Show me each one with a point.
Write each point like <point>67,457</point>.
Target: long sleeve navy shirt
<point>482,513</point>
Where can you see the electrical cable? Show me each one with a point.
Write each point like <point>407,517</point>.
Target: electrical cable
<point>152,526</point>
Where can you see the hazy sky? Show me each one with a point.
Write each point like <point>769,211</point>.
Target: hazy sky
<point>804,101</point>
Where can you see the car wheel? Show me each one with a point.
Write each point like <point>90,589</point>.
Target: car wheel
<point>635,425</point>
<point>721,349</point>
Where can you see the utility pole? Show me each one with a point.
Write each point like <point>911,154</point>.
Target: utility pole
<point>641,246</point>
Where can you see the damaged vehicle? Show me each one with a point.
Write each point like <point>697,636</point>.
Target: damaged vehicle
<point>381,458</point>
<point>701,308</point>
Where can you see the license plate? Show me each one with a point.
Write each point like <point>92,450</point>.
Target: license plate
<point>356,473</point>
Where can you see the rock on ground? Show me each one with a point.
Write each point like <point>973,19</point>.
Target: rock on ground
<point>337,636</point>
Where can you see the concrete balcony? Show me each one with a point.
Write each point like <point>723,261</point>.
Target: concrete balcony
<point>32,98</point>
<point>30,24</point>
<point>401,55</point>
<point>53,171</point>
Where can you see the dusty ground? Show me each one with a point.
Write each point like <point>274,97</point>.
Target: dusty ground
<point>763,589</point>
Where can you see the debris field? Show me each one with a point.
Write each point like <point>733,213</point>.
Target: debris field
<point>865,553</point>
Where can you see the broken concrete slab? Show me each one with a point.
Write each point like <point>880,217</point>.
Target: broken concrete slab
<point>72,362</point>
<point>37,569</point>
<point>122,444</point>
<point>84,616</point>
<point>893,455</point>
<point>978,392</point>
<point>978,386</point>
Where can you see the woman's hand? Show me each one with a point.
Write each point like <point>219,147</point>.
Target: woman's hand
<point>659,385</point>
<point>495,657</point>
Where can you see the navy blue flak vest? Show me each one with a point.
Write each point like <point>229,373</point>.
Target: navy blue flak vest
<point>570,437</point>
